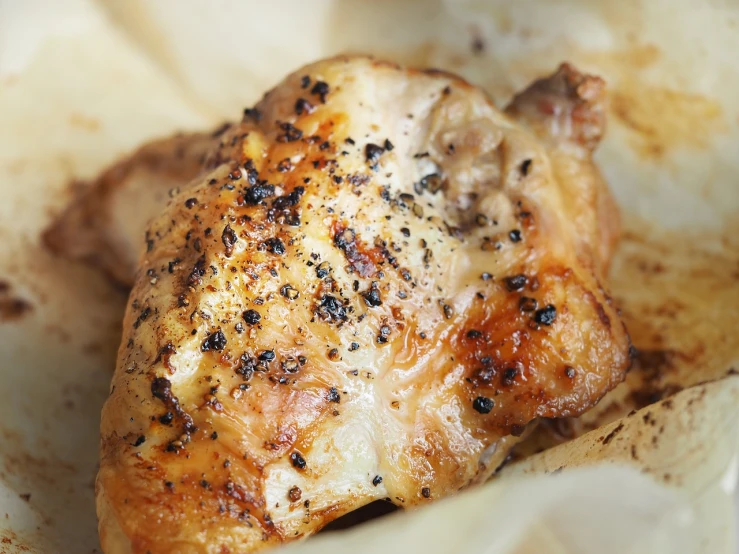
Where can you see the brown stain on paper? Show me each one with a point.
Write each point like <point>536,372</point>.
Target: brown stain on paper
<point>679,296</point>
<point>662,119</point>
<point>659,119</point>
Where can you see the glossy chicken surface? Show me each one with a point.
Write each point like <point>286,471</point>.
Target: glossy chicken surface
<point>378,281</point>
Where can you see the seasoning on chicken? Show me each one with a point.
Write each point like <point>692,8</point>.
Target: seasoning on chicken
<point>106,221</point>
<point>376,284</point>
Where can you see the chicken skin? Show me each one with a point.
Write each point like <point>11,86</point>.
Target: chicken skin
<point>104,225</point>
<point>376,283</point>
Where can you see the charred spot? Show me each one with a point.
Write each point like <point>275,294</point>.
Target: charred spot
<point>288,200</point>
<point>527,304</point>
<point>267,355</point>
<point>345,240</point>
<point>216,341</point>
<point>376,480</point>
<point>515,235</point>
<point>161,388</point>
<point>474,334</point>
<point>257,193</point>
<point>190,203</point>
<point>166,418</point>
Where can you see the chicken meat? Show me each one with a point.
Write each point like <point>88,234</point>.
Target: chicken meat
<point>376,283</point>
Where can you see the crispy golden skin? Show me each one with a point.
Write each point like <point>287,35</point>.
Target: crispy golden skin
<point>378,281</point>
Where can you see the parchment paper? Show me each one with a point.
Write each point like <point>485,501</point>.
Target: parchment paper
<point>83,82</point>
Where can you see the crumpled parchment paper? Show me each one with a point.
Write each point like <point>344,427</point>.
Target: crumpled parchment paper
<point>83,82</point>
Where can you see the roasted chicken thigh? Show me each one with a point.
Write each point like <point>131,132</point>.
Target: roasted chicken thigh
<point>375,282</point>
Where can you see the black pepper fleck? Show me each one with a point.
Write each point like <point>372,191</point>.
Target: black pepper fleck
<point>215,341</point>
<point>515,282</point>
<point>321,90</point>
<point>297,460</point>
<point>252,317</point>
<point>546,315</point>
<point>372,153</point>
<point>483,404</point>
<point>333,395</point>
<point>526,167</point>
<point>229,238</point>
<point>509,376</point>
